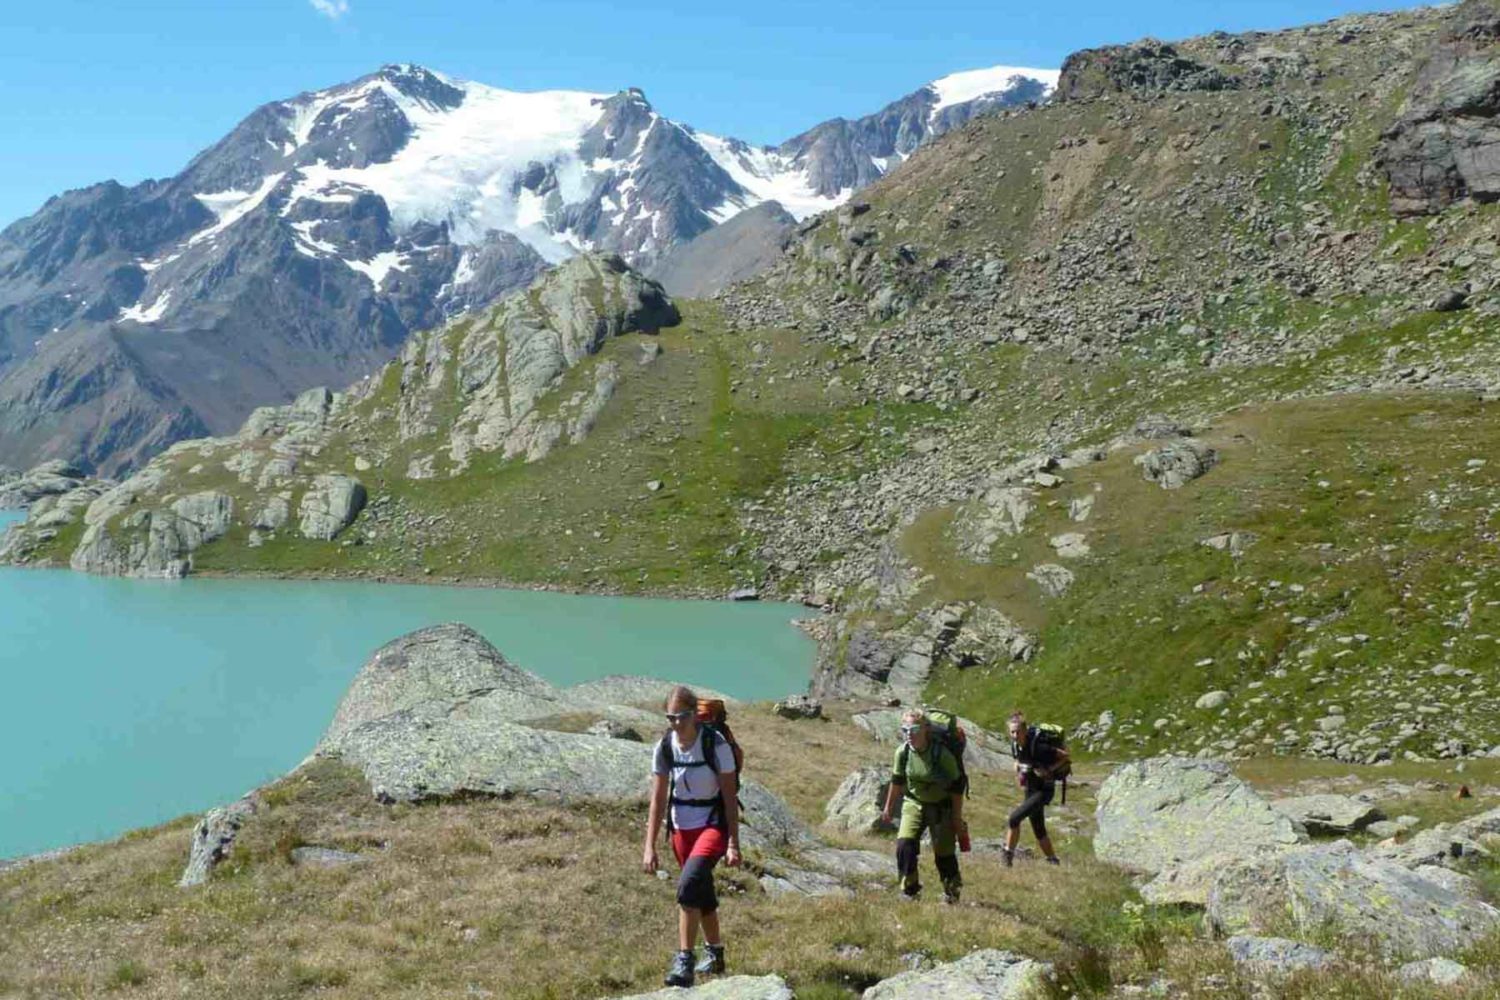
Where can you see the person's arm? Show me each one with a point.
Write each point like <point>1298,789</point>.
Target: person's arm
<point>729,784</point>
<point>649,860</point>
<point>1058,756</point>
<point>896,789</point>
<point>955,783</point>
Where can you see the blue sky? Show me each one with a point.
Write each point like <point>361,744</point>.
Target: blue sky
<point>130,89</point>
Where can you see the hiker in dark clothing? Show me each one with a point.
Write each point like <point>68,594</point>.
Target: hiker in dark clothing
<point>1038,761</point>
<point>926,777</point>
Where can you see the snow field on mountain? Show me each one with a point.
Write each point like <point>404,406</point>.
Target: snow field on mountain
<point>960,88</point>
<point>767,176</point>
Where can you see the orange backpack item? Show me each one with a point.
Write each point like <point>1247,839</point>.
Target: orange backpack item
<point>713,714</point>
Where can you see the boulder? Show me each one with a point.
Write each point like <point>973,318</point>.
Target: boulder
<point>799,706</point>
<point>1445,843</point>
<point>1363,897</point>
<point>980,975</point>
<point>325,857</point>
<point>433,669</point>
<point>730,988</point>
<point>1329,814</point>
<point>1052,578</point>
<point>1438,971</point>
<point>1177,463</point>
<point>855,807</point>
<point>614,730</point>
<point>329,506</point>
<point>1274,956</point>
<point>1160,813</point>
<point>213,838</point>
<point>1212,700</point>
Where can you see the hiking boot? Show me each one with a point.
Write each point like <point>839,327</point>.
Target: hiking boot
<point>681,972</point>
<point>713,961</point>
<point>950,898</point>
<point>909,893</point>
<point>1008,856</point>
<point>1053,860</point>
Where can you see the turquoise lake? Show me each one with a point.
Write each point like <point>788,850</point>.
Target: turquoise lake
<point>129,702</point>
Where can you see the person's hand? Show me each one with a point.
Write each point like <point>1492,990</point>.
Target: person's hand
<point>960,827</point>
<point>732,857</point>
<point>885,816</point>
<point>649,861</point>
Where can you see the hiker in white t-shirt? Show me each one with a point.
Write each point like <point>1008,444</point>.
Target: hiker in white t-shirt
<point>693,774</point>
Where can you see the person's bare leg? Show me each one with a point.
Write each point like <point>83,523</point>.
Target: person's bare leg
<point>1045,843</point>
<point>1012,837</point>
<point>687,927</point>
<point>711,928</point>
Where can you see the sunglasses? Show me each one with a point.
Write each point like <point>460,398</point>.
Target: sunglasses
<point>675,717</point>
<point>908,730</point>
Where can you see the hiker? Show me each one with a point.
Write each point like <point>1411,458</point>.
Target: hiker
<point>694,784</point>
<point>1040,760</point>
<point>927,779</point>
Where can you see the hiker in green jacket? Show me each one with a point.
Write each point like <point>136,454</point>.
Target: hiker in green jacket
<point>927,780</point>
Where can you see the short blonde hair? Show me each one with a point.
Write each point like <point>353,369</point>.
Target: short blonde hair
<point>914,715</point>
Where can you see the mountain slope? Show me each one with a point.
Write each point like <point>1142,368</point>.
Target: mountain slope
<point>305,246</point>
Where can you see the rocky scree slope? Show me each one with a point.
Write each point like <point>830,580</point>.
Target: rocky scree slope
<point>488,384</point>
<point>306,245</point>
<point>1118,314</point>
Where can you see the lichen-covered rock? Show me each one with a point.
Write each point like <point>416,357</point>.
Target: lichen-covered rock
<point>980,975</point>
<point>329,506</point>
<point>731,988</point>
<point>434,669</point>
<point>1274,956</point>
<point>213,837</point>
<point>1176,463</point>
<point>855,807</point>
<point>1164,812</point>
<point>1335,814</point>
<point>1052,578</point>
<point>1438,971</point>
<point>1362,896</point>
<point>1446,843</point>
<point>799,706</point>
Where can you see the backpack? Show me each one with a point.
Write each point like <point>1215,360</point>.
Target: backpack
<point>945,731</point>
<point>1049,734</point>
<point>713,726</point>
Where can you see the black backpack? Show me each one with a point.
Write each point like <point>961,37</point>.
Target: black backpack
<point>1054,737</point>
<point>710,733</point>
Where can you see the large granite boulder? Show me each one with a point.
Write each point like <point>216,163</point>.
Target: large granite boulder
<point>1274,956</point>
<point>1360,896</point>
<point>1161,813</point>
<point>436,668</point>
<point>1329,814</point>
<point>980,975</point>
<point>731,988</point>
<point>855,807</point>
<point>329,506</point>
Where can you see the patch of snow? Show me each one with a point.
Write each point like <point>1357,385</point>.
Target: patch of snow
<point>377,267</point>
<point>231,206</point>
<point>464,272</point>
<point>309,244</point>
<point>765,175</point>
<point>149,314</point>
<point>960,88</point>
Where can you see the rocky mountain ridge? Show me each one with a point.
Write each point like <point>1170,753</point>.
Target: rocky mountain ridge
<point>305,246</point>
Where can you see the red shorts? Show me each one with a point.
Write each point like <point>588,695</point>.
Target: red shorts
<point>704,842</point>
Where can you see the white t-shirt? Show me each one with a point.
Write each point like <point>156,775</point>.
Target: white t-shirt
<point>693,782</point>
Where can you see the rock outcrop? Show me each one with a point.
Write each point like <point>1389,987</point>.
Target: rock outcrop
<point>730,988</point>
<point>1159,814</point>
<point>1446,144</point>
<point>1363,897</point>
<point>1146,67</point>
<point>1329,814</point>
<point>989,974</point>
<point>213,838</point>
<point>856,805</point>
